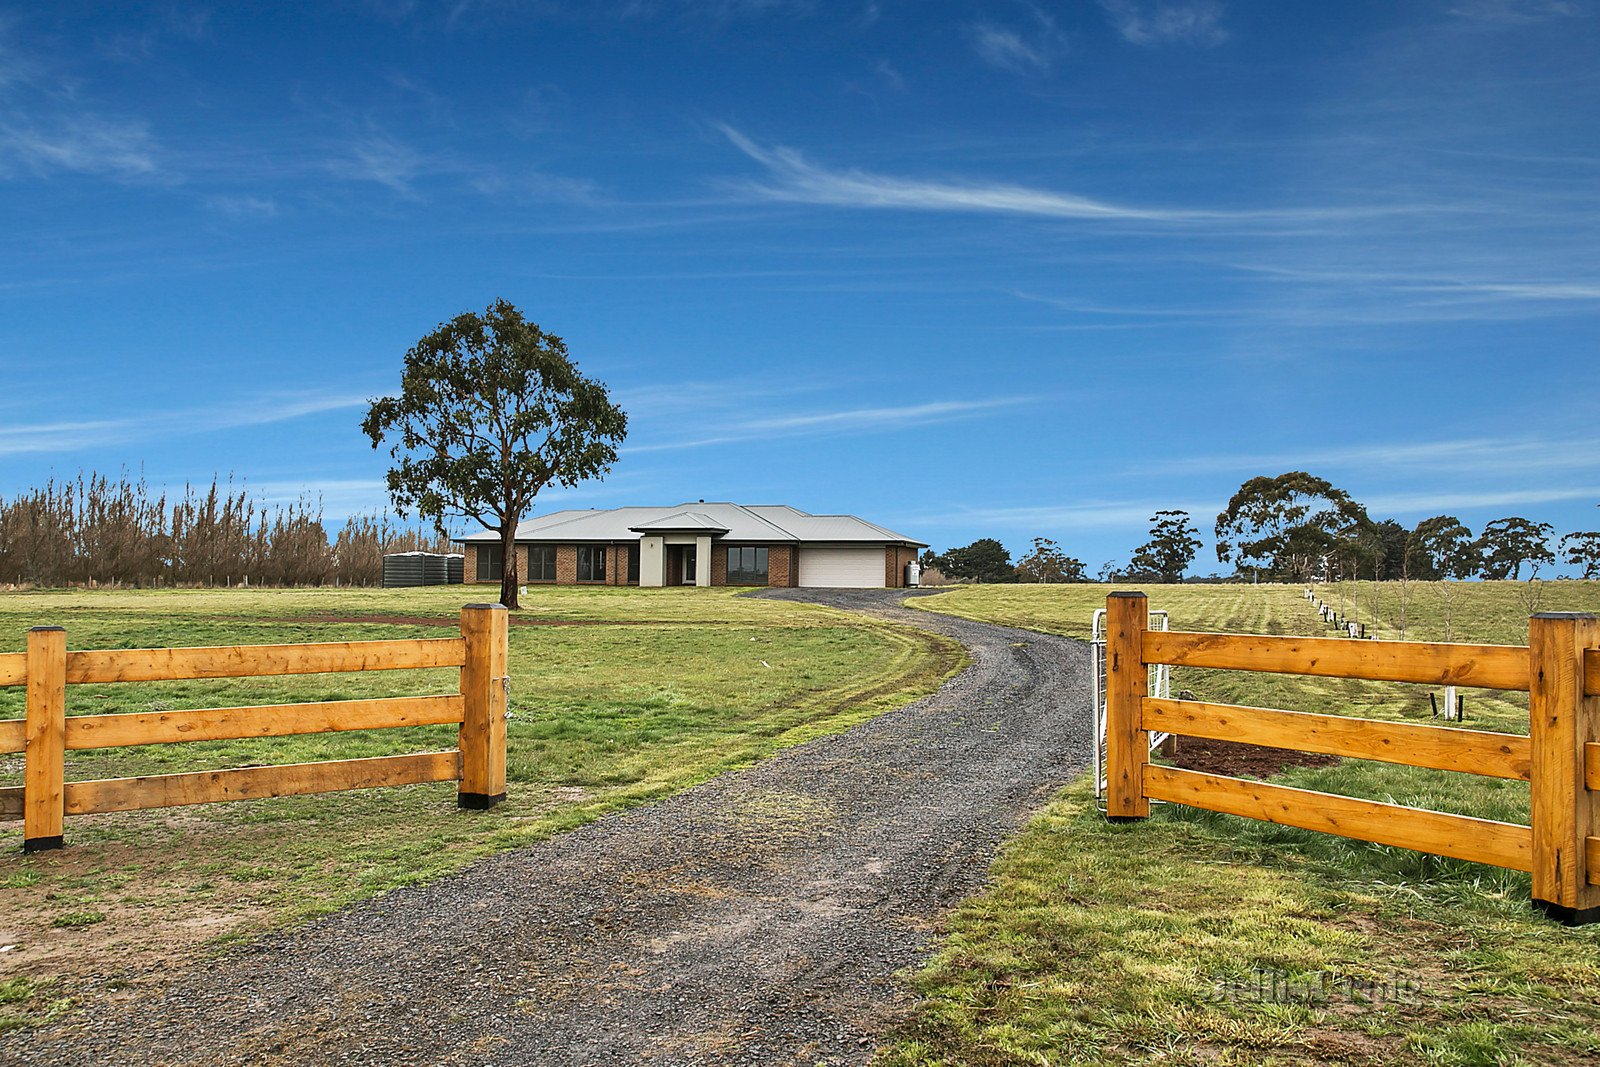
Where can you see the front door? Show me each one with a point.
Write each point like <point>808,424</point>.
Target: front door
<point>689,552</point>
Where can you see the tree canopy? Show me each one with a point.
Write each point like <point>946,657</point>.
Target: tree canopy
<point>491,410</point>
<point>985,560</point>
<point>1582,550</point>
<point>1445,548</point>
<point>1047,564</point>
<point>1507,544</point>
<point>1171,547</point>
<point>1285,527</point>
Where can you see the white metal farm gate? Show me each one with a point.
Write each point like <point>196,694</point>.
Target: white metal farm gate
<point>1160,686</point>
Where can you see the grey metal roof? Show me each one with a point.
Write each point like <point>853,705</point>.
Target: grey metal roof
<point>806,527</point>
<point>688,521</point>
<point>763,523</point>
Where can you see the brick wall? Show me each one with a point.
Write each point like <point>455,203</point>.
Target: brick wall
<point>895,558</point>
<point>719,564</point>
<point>566,564</point>
<point>617,564</point>
<point>781,566</point>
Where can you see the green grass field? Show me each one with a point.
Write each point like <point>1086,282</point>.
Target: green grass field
<point>638,693</point>
<point>1144,943</point>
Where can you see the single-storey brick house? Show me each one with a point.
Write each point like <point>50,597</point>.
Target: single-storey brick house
<point>698,544</point>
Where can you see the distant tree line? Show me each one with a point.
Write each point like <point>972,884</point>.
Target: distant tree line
<point>98,529</point>
<point>1163,558</point>
<point>1297,527</point>
<point>987,561</point>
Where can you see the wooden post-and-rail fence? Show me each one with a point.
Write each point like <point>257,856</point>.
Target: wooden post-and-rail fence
<point>1559,668</point>
<point>47,733</point>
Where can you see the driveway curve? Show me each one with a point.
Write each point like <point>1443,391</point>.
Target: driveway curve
<point>760,918</point>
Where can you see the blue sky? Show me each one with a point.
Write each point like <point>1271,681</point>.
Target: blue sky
<point>990,269</point>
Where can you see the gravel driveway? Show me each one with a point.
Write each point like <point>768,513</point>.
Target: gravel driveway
<point>757,919</point>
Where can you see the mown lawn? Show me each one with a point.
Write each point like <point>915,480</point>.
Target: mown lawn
<point>634,694</point>
<point>1146,943</point>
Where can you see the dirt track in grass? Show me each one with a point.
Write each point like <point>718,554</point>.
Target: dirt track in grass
<point>760,918</point>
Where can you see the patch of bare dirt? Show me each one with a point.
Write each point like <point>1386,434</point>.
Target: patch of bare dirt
<point>154,930</point>
<point>1237,760</point>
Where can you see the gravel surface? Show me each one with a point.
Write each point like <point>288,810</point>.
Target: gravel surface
<point>757,919</point>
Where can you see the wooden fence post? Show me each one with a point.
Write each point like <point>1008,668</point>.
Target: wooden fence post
<point>1561,721</point>
<point>1127,684</point>
<point>45,740</point>
<point>484,689</point>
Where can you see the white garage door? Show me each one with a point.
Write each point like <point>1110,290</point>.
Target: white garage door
<point>842,568</point>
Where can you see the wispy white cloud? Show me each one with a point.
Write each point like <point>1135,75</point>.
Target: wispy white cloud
<point>243,207</point>
<point>46,128</point>
<point>1548,290</point>
<point>78,143</point>
<point>533,185</point>
<point>1469,457</point>
<point>1090,307</point>
<point>824,423</point>
<point>375,156</point>
<point>338,496</point>
<point>1513,11</point>
<point>17,439</point>
<point>371,154</point>
<point>17,66</point>
<point>1196,22</point>
<point>67,435</point>
<point>1413,503</point>
<point>1048,518</point>
<point>141,44</point>
<point>610,10</point>
<point>341,497</point>
<point>1416,282</point>
<point>885,417</point>
<point>796,179</point>
<point>700,400</point>
<point>890,75</point>
<point>1018,51</point>
<point>1134,514</point>
<point>1354,296</point>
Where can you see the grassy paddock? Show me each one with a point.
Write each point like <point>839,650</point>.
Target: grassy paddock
<point>641,693</point>
<point>1140,943</point>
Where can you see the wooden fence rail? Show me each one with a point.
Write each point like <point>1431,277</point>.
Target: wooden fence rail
<point>47,733</point>
<point>1559,668</point>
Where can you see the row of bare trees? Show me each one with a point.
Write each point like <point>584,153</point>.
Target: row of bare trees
<point>116,531</point>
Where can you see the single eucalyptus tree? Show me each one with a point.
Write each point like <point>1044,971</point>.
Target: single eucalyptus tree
<point>1171,547</point>
<point>491,411</point>
<point>1285,527</point>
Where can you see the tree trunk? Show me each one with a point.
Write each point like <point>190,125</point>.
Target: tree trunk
<point>508,568</point>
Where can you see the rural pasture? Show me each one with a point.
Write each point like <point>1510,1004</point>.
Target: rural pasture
<point>1149,942</point>
<point>618,696</point>
<point>1189,938</point>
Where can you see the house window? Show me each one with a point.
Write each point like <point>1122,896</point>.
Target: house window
<point>747,565</point>
<point>633,563</point>
<point>491,558</point>
<point>541,563</point>
<point>591,563</point>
